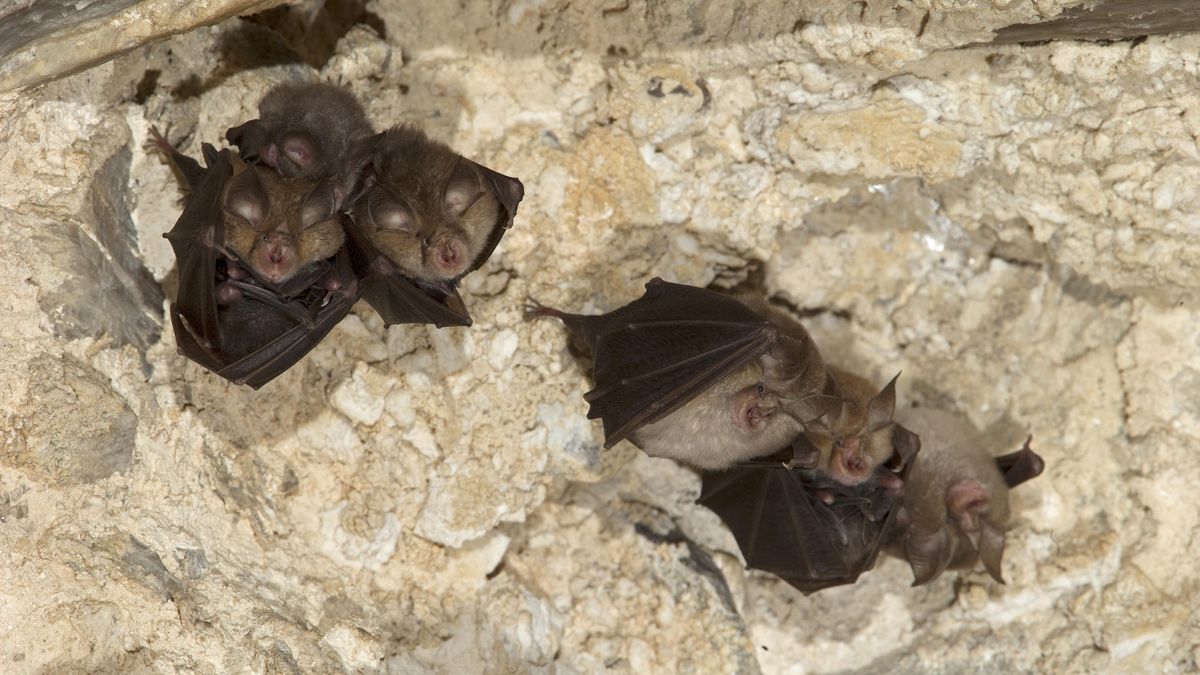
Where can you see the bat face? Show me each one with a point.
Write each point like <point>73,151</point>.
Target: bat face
<point>277,226</point>
<point>430,211</point>
<point>307,130</point>
<point>738,418</point>
<point>856,437</point>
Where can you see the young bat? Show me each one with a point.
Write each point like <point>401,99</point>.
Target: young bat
<point>307,130</point>
<point>955,508</point>
<point>796,524</point>
<point>433,214</point>
<point>226,318</point>
<point>697,376</point>
<point>855,437</point>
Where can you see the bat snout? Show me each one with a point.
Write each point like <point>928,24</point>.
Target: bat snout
<point>448,256</point>
<point>275,258</point>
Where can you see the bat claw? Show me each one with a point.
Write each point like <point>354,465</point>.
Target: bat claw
<point>534,310</point>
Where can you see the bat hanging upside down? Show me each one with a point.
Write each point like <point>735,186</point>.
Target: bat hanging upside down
<point>697,376</point>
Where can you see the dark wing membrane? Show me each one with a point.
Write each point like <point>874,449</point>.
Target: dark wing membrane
<point>195,238</point>
<point>662,350</point>
<point>274,351</point>
<point>1020,466</point>
<point>781,527</point>
<point>397,298</point>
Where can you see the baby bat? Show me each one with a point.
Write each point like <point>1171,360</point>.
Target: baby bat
<point>244,323</point>
<point>798,525</point>
<point>955,507</point>
<point>307,130</point>
<point>855,437</point>
<point>697,376</point>
<point>433,214</point>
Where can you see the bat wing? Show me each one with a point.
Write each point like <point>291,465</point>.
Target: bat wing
<point>195,238</point>
<point>810,533</point>
<point>662,350</point>
<point>509,192</point>
<point>397,298</point>
<point>1020,466</point>
<point>284,338</point>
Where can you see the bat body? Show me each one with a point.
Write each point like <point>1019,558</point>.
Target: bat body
<point>955,505</point>
<point>696,376</point>
<point>432,213</point>
<point>307,130</point>
<point>244,323</point>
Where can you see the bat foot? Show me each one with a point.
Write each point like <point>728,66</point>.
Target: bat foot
<point>535,310</point>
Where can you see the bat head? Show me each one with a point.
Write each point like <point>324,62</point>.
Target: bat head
<point>435,214</point>
<point>276,225</point>
<point>856,437</point>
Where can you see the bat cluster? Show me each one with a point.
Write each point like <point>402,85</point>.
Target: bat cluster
<point>277,241</point>
<point>806,463</point>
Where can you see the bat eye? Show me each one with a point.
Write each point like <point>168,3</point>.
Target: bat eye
<point>761,389</point>
<point>428,241</point>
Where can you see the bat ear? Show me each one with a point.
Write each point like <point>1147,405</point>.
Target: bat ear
<point>991,548</point>
<point>882,407</point>
<point>246,196</point>
<point>389,214</point>
<point>319,205</point>
<point>928,554</point>
<point>462,191</point>
<point>301,149</point>
<point>508,190</point>
<point>906,445</point>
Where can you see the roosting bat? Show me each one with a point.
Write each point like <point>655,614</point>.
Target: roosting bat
<point>955,508</point>
<point>798,525</point>
<point>428,214</point>
<point>697,376</point>
<point>241,311</point>
<point>854,437</point>
<point>308,130</point>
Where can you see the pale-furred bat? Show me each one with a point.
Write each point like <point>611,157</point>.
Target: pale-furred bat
<point>698,376</point>
<point>955,508</point>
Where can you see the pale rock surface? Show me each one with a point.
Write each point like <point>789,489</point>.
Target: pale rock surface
<point>1013,227</point>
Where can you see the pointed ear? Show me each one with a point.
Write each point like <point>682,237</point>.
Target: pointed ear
<point>906,445</point>
<point>991,548</point>
<point>928,554</point>
<point>245,196</point>
<point>882,407</point>
<point>508,190</point>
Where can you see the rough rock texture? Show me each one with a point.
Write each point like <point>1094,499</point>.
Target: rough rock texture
<point>43,39</point>
<point>1013,227</point>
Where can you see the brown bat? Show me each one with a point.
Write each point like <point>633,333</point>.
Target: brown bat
<point>855,437</point>
<point>697,376</point>
<point>238,313</point>
<point>432,214</point>
<point>307,130</point>
<point>955,507</point>
<point>797,524</point>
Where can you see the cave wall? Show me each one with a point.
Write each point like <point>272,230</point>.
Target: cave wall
<point>1013,227</point>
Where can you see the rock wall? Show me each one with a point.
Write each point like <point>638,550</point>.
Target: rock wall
<point>1013,227</point>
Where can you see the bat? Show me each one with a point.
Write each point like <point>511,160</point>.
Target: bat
<point>696,375</point>
<point>799,525</point>
<point>433,214</point>
<point>307,130</point>
<point>229,316</point>
<point>955,508</point>
<point>855,437</point>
